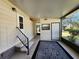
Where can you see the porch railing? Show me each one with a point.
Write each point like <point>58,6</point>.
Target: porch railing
<point>23,39</point>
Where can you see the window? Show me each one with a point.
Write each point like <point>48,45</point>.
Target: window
<point>21,22</point>
<point>70,28</point>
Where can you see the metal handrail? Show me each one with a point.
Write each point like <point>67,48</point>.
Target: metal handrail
<point>23,42</point>
<point>22,32</point>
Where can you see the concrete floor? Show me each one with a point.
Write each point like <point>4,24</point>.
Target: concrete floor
<point>20,55</point>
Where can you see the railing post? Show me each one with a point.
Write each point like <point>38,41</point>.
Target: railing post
<point>27,46</point>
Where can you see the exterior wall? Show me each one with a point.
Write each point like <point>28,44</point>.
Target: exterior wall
<point>8,23</point>
<point>46,34</point>
<point>34,28</point>
<point>7,26</point>
<point>29,28</point>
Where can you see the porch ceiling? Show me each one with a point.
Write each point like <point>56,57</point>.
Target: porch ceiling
<point>45,8</point>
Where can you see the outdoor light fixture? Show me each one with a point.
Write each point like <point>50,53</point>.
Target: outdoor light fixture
<point>14,9</point>
<point>45,19</point>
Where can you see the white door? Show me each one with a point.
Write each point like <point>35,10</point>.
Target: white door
<point>55,31</point>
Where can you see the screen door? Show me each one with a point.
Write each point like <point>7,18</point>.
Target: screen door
<point>55,31</point>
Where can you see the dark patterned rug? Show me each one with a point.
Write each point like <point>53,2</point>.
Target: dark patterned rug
<point>51,50</point>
